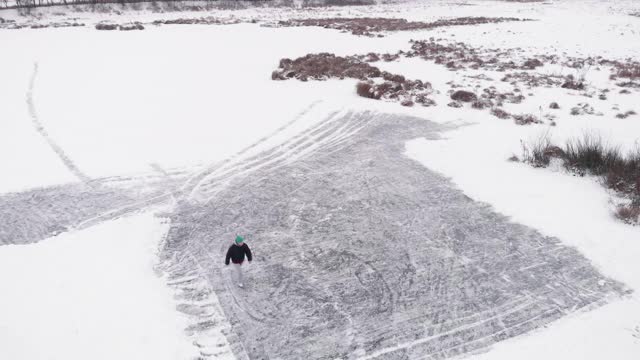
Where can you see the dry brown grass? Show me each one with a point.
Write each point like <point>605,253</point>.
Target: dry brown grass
<point>325,66</point>
<point>370,26</point>
<point>525,119</point>
<point>500,113</point>
<point>365,89</point>
<point>629,214</point>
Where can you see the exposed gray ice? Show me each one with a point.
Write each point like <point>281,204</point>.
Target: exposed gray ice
<point>33,215</point>
<point>360,252</point>
<point>363,252</point>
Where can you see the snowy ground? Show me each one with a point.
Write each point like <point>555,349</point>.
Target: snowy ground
<point>54,296</point>
<point>111,124</point>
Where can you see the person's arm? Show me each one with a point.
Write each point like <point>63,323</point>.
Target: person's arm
<point>226,260</point>
<point>248,252</point>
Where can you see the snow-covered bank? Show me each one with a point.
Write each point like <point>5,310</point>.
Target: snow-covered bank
<point>91,294</point>
<point>610,332</point>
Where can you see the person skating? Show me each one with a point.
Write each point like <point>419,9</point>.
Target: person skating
<point>236,254</point>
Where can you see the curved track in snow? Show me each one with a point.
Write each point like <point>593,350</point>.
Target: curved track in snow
<point>66,160</point>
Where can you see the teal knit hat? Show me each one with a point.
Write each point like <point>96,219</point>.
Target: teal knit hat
<point>239,239</point>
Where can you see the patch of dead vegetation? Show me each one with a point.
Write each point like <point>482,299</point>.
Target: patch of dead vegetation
<point>629,84</point>
<point>322,3</point>
<point>371,26</point>
<point>629,214</point>
<point>626,114</point>
<point>209,20</point>
<point>499,98</point>
<point>374,84</point>
<point>572,83</point>
<point>526,119</point>
<point>590,155</point>
<point>629,69</point>
<point>456,56</point>
<point>13,25</point>
<point>500,113</point>
<point>324,66</point>
<point>373,57</point>
<point>584,109</point>
<point>534,79</point>
<point>121,27</point>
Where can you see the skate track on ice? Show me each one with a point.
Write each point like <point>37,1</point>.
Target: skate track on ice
<point>360,251</point>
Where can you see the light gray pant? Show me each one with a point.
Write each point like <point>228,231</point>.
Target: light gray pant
<point>237,274</point>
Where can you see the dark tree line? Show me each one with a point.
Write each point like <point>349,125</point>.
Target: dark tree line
<point>36,3</point>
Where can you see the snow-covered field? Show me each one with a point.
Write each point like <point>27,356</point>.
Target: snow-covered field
<point>196,105</point>
<point>90,294</point>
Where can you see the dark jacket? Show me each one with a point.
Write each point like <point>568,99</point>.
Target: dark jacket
<point>236,253</point>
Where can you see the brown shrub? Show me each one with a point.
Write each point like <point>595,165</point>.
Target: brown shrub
<point>500,113</point>
<point>629,70</point>
<point>582,109</point>
<point>533,79</point>
<point>423,100</point>
<point>629,214</point>
<point>393,77</point>
<point>626,114</point>
<point>629,84</point>
<point>464,96</point>
<point>552,151</point>
<point>103,26</point>
<point>571,83</point>
<point>481,104</point>
<point>129,27</point>
<point>526,119</point>
<point>532,64</point>
<point>365,89</point>
<point>535,152</point>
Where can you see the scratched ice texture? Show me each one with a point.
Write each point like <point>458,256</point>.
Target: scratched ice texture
<point>361,252</point>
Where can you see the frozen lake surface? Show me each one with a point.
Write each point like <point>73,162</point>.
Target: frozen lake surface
<point>363,252</point>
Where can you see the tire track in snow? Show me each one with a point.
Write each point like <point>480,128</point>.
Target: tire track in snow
<point>192,184</point>
<point>66,160</point>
